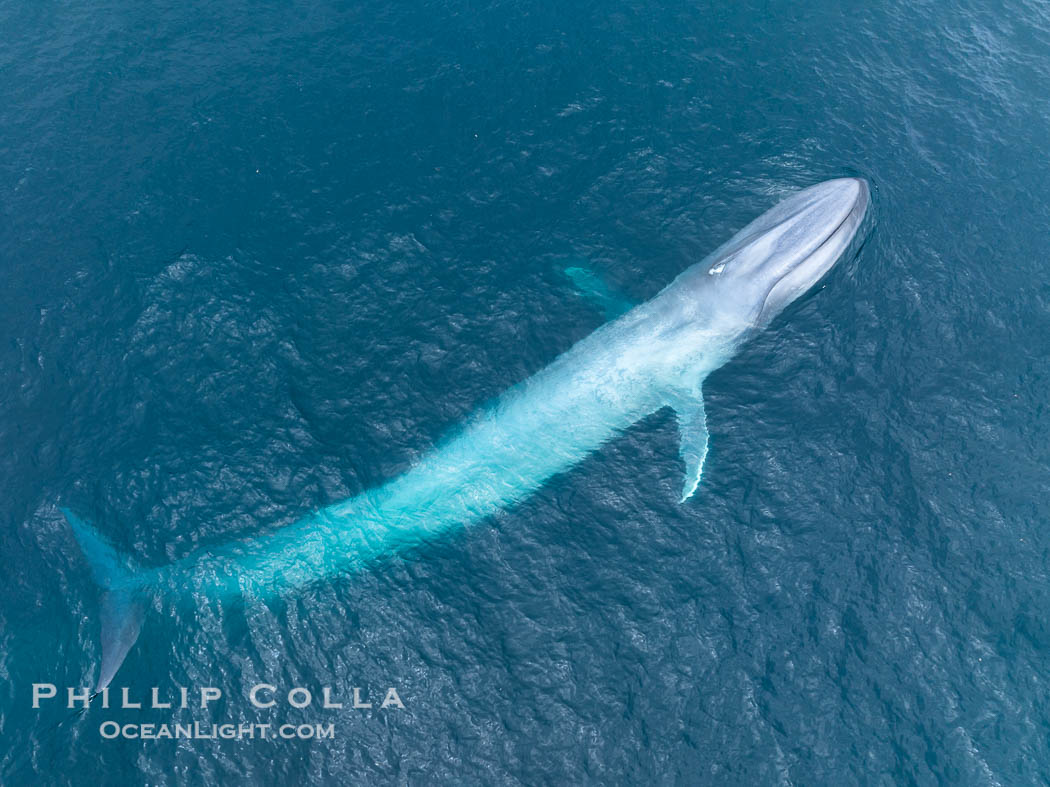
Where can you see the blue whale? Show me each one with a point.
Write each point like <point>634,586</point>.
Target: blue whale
<point>653,355</point>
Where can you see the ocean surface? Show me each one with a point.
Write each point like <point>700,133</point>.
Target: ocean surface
<point>258,257</point>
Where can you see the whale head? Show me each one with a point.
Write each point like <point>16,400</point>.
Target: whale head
<point>788,250</point>
<point>784,252</point>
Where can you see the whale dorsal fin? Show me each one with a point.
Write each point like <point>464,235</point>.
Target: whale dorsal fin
<point>595,288</point>
<point>693,436</point>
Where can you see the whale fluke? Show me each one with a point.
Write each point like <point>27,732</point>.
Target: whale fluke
<point>123,602</point>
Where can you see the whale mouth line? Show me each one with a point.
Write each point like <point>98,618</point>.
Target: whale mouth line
<point>828,237</point>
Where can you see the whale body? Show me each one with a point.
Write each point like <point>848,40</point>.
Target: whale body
<point>653,355</point>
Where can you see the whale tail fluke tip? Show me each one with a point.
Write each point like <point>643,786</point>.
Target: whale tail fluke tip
<point>123,602</point>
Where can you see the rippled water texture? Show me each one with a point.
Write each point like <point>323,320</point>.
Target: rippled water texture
<point>257,258</point>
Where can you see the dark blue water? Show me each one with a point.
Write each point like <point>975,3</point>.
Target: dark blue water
<point>256,258</point>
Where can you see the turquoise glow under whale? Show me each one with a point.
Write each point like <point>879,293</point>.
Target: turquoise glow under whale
<point>655,355</point>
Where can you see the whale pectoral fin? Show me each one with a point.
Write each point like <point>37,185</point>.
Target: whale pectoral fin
<point>593,287</point>
<point>693,435</point>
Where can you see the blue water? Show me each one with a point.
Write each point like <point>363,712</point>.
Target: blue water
<point>257,258</point>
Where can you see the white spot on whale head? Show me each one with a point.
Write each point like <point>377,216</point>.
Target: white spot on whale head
<point>717,269</point>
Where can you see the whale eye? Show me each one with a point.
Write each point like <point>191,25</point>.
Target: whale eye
<point>717,269</point>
